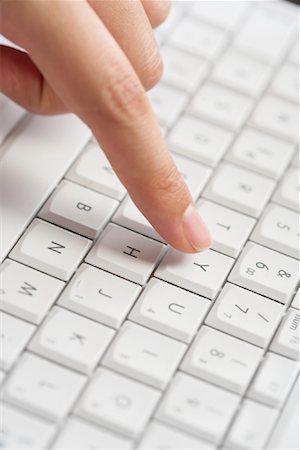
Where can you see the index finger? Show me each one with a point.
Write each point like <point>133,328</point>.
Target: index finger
<point>93,77</point>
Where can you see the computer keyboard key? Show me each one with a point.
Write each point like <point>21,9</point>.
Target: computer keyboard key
<point>202,273</point>
<point>144,355</point>
<point>294,53</point>
<point>202,40</point>
<point>296,300</point>
<point>99,295</point>
<point>229,229</point>
<point>2,377</point>
<point>22,431</point>
<point>296,159</point>
<point>252,427</point>
<point>261,153</point>
<point>126,254</point>
<point>43,387</point>
<point>239,189</point>
<point>198,407</point>
<point>50,249</point>
<point>170,310</point>
<point>77,434</point>
<point>222,360</point>
<point>199,140</point>
<point>287,193</point>
<point>286,83</point>
<point>25,292</point>
<point>278,229</point>
<point>221,106</point>
<point>266,272</point>
<point>167,103</point>
<point>71,340</point>
<point>14,335</point>
<point>245,315</point>
<point>224,15</point>
<point>241,73</point>
<point>194,174</point>
<point>118,403</point>
<point>78,209</point>
<point>129,216</point>
<point>93,170</point>
<point>287,339</point>
<point>159,436</point>
<point>278,117</point>
<point>267,32</point>
<point>274,380</point>
<point>11,114</point>
<point>182,70</point>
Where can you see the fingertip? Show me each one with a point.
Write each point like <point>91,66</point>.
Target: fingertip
<point>195,230</point>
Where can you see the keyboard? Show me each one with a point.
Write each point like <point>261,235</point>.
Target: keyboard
<point>110,339</point>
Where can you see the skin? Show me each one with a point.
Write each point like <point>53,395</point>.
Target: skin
<point>101,73</point>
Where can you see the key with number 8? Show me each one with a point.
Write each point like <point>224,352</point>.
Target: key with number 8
<point>266,272</point>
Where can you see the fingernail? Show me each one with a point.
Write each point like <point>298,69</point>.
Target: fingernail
<point>195,230</point>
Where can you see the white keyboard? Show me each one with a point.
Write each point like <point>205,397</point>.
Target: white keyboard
<point>112,340</point>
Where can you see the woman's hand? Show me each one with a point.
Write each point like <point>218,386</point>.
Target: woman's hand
<point>96,58</point>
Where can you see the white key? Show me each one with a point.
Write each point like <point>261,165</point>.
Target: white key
<point>252,427</point>
<point>205,40</point>
<point>78,209</point>
<point>118,403</point>
<point>286,83</point>
<point>262,153</point>
<point>296,300</point>
<point>199,140</point>
<point>225,15</point>
<point>170,310</point>
<point>241,73</point>
<point>14,336</point>
<point>77,434</point>
<point>22,431</point>
<point>167,103</point>
<point>221,106</point>
<point>287,339</point>
<point>266,272</point>
<point>25,292</point>
<point>43,387</point>
<point>129,216</point>
<point>222,359</point>
<point>229,229</point>
<point>182,70</point>
<point>144,355</point>
<point>159,436</point>
<point>274,380</point>
<point>50,144</point>
<point>203,273</point>
<point>50,249</point>
<point>126,254</point>
<point>239,189</point>
<point>99,295</point>
<point>93,170</point>
<point>278,117</point>
<point>72,340</point>
<point>278,229</point>
<point>194,174</point>
<point>245,315</point>
<point>287,193</point>
<point>268,32</point>
<point>198,407</point>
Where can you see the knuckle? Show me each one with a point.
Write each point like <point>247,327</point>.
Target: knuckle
<point>159,12</point>
<point>124,95</point>
<point>169,182</point>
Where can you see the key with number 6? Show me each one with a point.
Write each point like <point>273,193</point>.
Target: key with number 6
<point>266,272</point>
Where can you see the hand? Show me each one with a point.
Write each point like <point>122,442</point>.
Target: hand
<point>96,58</point>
